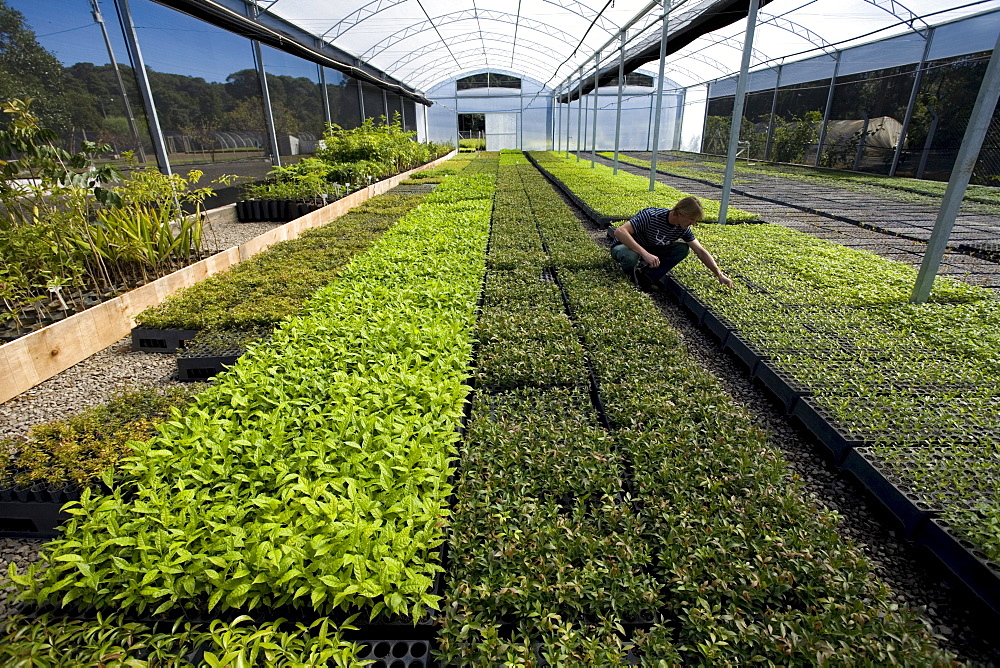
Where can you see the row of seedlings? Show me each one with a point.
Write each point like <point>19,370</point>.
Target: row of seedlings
<point>618,196</point>
<point>219,316</point>
<point>907,391</point>
<point>310,481</point>
<point>544,565</point>
<point>648,521</point>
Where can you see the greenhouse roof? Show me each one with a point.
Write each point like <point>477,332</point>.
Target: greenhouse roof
<point>423,42</point>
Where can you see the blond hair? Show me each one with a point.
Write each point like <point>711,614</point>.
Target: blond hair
<point>690,207</point>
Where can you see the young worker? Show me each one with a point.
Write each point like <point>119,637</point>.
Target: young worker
<point>661,238</point>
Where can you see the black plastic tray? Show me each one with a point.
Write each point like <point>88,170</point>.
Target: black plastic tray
<point>161,340</point>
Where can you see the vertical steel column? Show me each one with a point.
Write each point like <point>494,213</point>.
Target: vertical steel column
<point>520,120</point>
<point>734,129</point>
<point>361,100</point>
<point>272,132</point>
<point>770,122</point>
<point>142,79</point>
<point>621,83</point>
<point>826,111</point>
<point>99,19</point>
<point>458,134</point>
<point>427,127</point>
<point>556,122</point>
<point>385,107</point>
<point>927,144</point>
<point>917,78</point>
<point>593,140</point>
<point>659,97</point>
<point>680,119</point>
<point>569,117</point>
<point>326,93</point>
<point>579,116</point>
<point>402,112</point>
<point>862,141</point>
<point>975,132</point>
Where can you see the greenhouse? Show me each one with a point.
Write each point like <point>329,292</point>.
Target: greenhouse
<point>412,333</point>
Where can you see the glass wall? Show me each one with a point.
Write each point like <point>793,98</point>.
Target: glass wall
<point>296,102</point>
<point>342,93</point>
<point>374,103</point>
<point>395,106</point>
<point>60,54</point>
<point>207,93</point>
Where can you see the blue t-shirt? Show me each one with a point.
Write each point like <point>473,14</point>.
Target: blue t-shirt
<point>652,228</point>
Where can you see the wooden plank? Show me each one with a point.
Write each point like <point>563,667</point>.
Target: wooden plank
<point>36,357</point>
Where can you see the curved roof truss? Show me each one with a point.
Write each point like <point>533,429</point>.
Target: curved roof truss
<point>376,6</point>
<point>534,47</point>
<point>463,15</point>
<point>441,69</point>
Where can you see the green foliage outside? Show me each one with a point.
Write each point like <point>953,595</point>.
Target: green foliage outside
<point>468,145</point>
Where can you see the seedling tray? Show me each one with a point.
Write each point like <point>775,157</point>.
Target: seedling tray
<point>823,426</point>
<point>910,511</point>
<point>717,327</point>
<point>31,519</point>
<point>199,366</point>
<point>599,219</point>
<point>779,384</point>
<point>743,351</point>
<point>161,340</point>
<point>960,556</point>
<point>396,653</point>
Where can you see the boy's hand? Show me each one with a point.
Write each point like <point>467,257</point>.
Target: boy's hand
<point>725,280</point>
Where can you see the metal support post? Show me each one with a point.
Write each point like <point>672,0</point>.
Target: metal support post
<point>569,118</point>
<point>579,114</point>
<point>968,154</point>
<point>659,97</point>
<point>385,107</point>
<point>427,127</point>
<point>682,105</point>
<point>361,100</point>
<point>99,19</point>
<point>862,141</point>
<point>770,122</point>
<point>593,140</point>
<point>928,142</point>
<point>826,110</point>
<point>621,83</point>
<point>326,94</point>
<point>272,133</point>
<point>139,67</point>
<point>734,130</point>
<point>908,116</point>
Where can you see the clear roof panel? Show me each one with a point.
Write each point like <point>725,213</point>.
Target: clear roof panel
<point>422,42</point>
